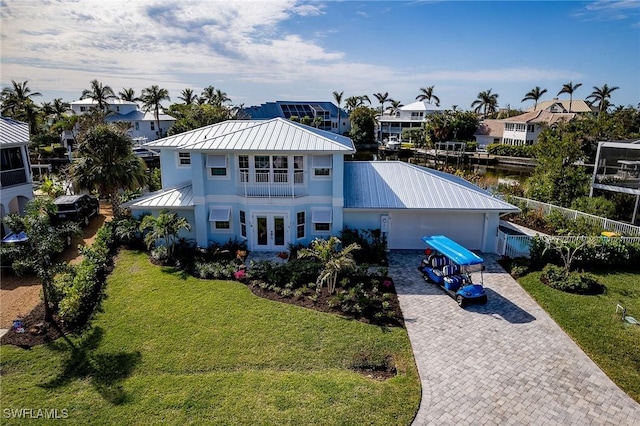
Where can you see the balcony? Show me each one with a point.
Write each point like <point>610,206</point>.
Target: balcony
<point>271,184</point>
<point>12,177</point>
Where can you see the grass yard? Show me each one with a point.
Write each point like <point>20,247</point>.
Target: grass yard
<point>592,323</point>
<point>172,349</point>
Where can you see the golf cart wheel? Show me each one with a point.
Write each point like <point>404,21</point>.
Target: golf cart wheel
<point>461,301</point>
<point>483,300</point>
<point>86,221</point>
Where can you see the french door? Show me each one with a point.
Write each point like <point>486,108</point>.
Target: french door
<point>270,231</point>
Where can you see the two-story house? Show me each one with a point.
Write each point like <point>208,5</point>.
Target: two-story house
<point>332,118</point>
<point>16,187</point>
<point>522,129</point>
<point>276,182</point>
<point>392,123</point>
<point>144,126</point>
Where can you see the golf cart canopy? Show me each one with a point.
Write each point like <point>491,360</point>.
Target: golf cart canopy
<point>452,250</point>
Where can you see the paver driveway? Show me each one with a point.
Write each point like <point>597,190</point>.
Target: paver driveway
<point>506,362</point>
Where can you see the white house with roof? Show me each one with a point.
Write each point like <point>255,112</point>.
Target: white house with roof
<point>143,124</point>
<point>522,129</point>
<point>275,182</point>
<point>392,123</point>
<point>16,187</point>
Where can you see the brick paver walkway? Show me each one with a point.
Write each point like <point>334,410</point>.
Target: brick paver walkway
<point>504,363</point>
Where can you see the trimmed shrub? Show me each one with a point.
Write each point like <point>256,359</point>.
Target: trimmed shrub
<point>574,282</point>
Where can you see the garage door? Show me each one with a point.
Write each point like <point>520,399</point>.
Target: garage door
<point>408,227</point>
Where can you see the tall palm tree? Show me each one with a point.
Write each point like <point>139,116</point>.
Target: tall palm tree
<point>220,98</point>
<point>128,94</point>
<point>337,96</point>
<point>99,94</point>
<point>332,258</point>
<point>105,162</point>
<point>208,95</point>
<point>426,94</point>
<point>487,101</point>
<point>17,103</point>
<point>382,98</point>
<point>187,96</point>
<point>353,102</point>
<point>534,95</point>
<point>151,100</point>
<point>601,95</point>
<point>569,88</point>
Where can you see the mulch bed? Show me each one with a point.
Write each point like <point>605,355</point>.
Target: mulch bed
<point>322,303</point>
<point>32,321</point>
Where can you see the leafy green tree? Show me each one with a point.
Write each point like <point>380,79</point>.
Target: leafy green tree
<point>569,88</point>
<point>534,95</point>
<point>128,94</point>
<point>598,206</point>
<point>152,98</point>
<point>105,162</point>
<point>165,227</point>
<point>44,241</point>
<point>487,102</point>
<point>99,93</point>
<point>601,96</point>
<point>557,178</point>
<point>426,94</point>
<point>363,122</point>
<point>333,259</point>
<point>194,116</point>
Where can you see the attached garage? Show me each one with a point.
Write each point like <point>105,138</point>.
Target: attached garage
<point>408,202</point>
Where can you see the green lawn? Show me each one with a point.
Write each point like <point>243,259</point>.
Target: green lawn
<point>592,323</point>
<point>173,349</point>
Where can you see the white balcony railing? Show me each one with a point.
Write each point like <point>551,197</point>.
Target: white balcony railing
<point>271,184</point>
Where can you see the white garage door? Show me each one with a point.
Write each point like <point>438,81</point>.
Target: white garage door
<point>408,227</point>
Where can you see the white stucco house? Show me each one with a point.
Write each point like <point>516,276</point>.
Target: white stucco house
<point>392,123</point>
<point>143,124</point>
<point>275,182</point>
<point>16,181</point>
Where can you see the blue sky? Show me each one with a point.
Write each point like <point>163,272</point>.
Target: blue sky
<point>259,51</point>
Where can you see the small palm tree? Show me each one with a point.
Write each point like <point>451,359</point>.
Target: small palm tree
<point>99,94</point>
<point>426,94</point>
<point>569,88</point>
<point>128,95</point>
<point>17,103</point>
<point>220,98</point>
<point>333,259</point>
<point>187,96</point>
<point>534,95</point>
<point>151,99</point>
<point>165,227</point>
<point>601,95</point>
<point>487,101</point>
<point>208,95</point>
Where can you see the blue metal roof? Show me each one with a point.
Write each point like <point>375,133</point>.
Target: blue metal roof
<point>452,250</point>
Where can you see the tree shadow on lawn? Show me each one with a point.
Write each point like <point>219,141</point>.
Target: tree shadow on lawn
<point>105,371</point>
<point>498,305</point>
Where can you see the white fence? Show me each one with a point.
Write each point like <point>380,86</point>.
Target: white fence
<point>519,245</point>
<point>607,224</point>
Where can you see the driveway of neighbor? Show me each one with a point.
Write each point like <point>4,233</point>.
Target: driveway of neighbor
<point>506,362</point>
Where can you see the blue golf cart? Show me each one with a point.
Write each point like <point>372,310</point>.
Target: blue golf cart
<point>449,265</point>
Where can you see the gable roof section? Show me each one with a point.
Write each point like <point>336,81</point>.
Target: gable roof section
<point>13,132</point>
<point>540,116</point>
<point>577,105</point>
<point>398,185</point>
<point>276,134</point>
<point>490,127</point>
<point>176,197</point>
<point>419,106</point>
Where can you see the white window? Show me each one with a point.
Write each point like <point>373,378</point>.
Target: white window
<point>298,169</point>
<point>243,224</point>
<point>184,159</point>
<point>217,165</point>
<point>243,167</point>
<point>153,125</point>
<point>137,125</point>
<point>300,224</point>
<point>321,219</point>
<point>219,216</point>
<point>322,165</point>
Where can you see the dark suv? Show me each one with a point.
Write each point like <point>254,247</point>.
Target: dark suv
<point>78,208</point>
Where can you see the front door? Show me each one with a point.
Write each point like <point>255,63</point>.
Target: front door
<point>270,231</point>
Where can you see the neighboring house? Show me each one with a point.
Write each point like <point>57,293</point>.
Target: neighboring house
<point>276,182</point>
<point>392,123</point>
<point>522,129</point>
<point>143,124</point>
<point>562,106</point>
<point>16,187</point>
<point>287,109</point>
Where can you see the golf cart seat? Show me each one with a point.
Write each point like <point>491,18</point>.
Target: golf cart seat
<point>453,282</point>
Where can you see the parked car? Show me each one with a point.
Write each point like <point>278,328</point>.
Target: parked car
<point>7,256</point>
<point>77,208</point>
<point>449,265</point>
